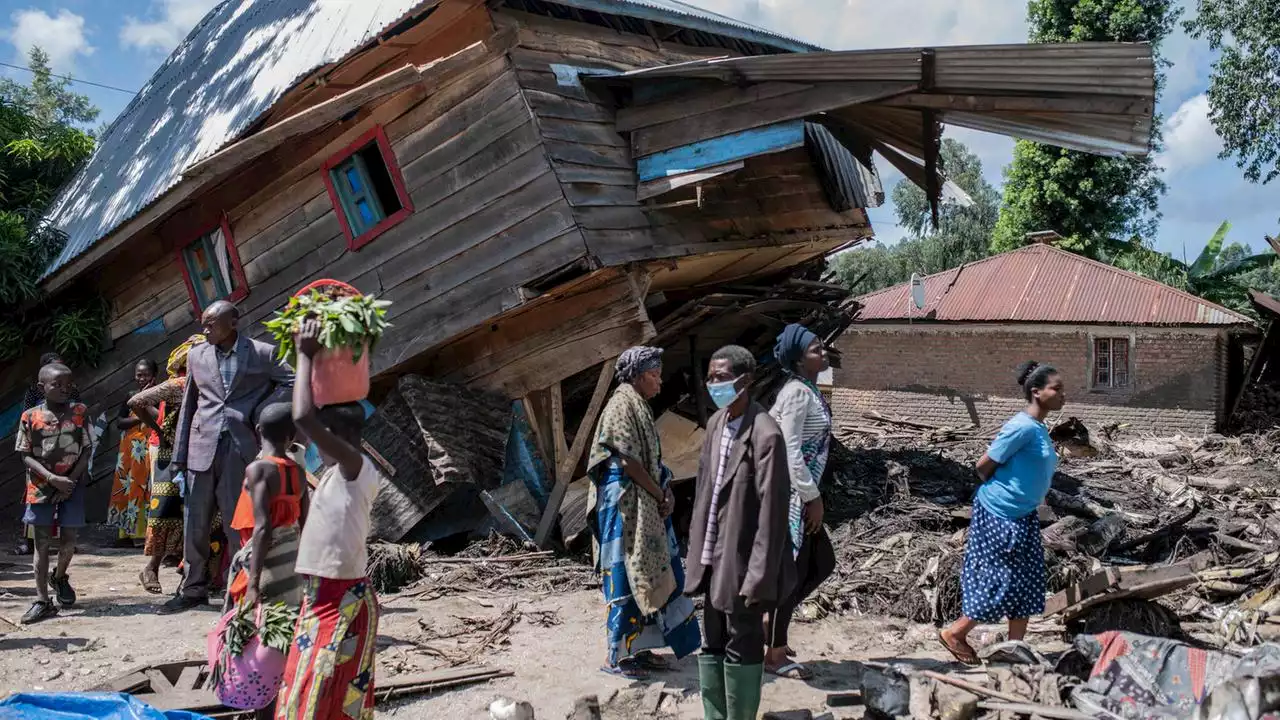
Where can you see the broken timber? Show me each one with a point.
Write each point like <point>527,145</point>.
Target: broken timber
<point>180,685</point>
<point>1144,583</point>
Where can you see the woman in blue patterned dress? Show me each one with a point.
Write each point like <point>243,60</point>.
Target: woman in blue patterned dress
<point>1003,573</point>
<point>639,557</point>
<point>804,417</point>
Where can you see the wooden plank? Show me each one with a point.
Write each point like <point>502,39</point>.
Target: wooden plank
<point>591,194</point>
<point>574,173</point>
<point>509,129</point>
<point>611,218</point>
<point>760,113</point>
<point>159,683</point>
<point>560,450</point>
<point>188,678</point>
<point>722,150</point>
<point>1100,104</point>
<point>551,105</point>
<point>696,103</point>
<point>654,188</point>
<point>564,470</point>
<point>592,155</point>
<point>581,131</point>
<point>466,114</point>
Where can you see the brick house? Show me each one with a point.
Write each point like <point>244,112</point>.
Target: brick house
<point>1131,350</point>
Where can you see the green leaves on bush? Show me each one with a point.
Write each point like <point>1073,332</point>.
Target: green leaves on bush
<point>345,321</point>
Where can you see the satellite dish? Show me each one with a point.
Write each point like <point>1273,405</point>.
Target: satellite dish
<point>917,291</point>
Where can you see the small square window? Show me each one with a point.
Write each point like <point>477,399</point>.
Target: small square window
<point>366,188</point>
<point>211,268</point>
<point>1110,363</point>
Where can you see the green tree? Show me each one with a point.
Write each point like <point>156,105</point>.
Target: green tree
<point>40,149</point>
<point>1085,197</point>
<point>1221,273</point>
<point>963,234</point>
<point>1244,87</point>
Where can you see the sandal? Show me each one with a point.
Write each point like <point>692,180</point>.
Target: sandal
<point>150,580</point>
<point>628,669</point>
<point>794,671</point>
<point>40,610</point>
<point>963,654</point>
<point>650,661</point>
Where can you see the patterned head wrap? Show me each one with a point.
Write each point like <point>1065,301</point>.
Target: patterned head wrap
<point>792,342</point>
<point>177,364</point>
<point>636,361</point>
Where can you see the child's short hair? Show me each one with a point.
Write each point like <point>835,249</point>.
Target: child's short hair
<point>276,423</point>
<point>52,370</point>
<point>345,419</point>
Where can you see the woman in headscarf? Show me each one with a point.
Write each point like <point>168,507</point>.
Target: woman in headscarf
<point>639,556</point>
<point>158,407</point>
<point>130,491</point>
<point>804,417</point>
<point>1003,572</point>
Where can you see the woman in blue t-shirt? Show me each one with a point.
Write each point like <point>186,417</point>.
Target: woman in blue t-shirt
<point>1003,575</point>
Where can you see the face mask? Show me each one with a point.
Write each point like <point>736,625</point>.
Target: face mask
<point>723,393</point>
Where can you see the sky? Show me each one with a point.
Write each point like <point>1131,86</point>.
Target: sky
<point>121,42</point>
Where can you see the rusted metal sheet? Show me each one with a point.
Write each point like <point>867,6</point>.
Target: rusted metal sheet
<point>1039,283</point>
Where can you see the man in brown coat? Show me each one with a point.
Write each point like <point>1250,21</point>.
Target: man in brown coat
<point>739,546</point>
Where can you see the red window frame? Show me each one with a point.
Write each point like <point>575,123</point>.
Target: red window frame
<point>379,135</point>
<point>237,270</point>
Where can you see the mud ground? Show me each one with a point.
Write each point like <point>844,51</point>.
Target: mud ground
<point>555,648</point>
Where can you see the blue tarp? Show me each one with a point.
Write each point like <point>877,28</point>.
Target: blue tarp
<point>85,706</point>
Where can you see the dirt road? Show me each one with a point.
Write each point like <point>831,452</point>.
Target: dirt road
<point>554,646</point>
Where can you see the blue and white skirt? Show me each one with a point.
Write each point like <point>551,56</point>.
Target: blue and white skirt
<point>1003,575</point>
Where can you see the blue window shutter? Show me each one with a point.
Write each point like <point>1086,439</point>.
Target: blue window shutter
<point>355,194</point>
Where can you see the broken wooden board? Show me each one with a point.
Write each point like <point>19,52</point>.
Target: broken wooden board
<point>1137,583</point>
<point>141,682</point>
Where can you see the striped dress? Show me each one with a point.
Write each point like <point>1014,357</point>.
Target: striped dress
<point>804,417</point>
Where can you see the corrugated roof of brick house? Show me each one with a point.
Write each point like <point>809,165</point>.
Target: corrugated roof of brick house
<point>1041,283</point>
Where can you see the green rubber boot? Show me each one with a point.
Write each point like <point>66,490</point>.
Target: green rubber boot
<point>742,685</point>
<point>711,684</point>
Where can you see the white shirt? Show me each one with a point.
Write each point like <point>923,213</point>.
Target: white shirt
<point>713,511</point>
<point>333,541</point>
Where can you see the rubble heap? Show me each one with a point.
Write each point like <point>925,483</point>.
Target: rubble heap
<point>898,506</point>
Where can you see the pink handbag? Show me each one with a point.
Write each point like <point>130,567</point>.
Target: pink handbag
<point>251,680</point>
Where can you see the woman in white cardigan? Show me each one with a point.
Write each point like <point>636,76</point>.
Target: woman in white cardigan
<point>805,418</point>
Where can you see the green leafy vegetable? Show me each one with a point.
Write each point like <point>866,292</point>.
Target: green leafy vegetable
<point>275,632</point>
<point>346,321</point>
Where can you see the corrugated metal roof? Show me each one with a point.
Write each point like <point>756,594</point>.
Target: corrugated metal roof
<point>1095,97</point>
<point>674,12</point>
<point>229,70</point>
<point>1040,283</point>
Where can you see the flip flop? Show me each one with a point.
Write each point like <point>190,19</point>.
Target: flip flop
<point>626,669</point>
<point>795,671</point>
<point>959,656</point>
<point>649,661</point>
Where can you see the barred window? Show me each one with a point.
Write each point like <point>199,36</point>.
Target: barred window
<point>1110,363</point>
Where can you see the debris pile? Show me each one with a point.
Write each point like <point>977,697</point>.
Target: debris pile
<point>1188,522</point>
<point>496,566</point>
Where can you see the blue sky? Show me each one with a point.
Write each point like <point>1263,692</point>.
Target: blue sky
<point>120,43</point>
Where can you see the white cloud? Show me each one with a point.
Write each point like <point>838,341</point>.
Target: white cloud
<point>1190,140</point>
<point>170,24</point>
<point>62,36</point>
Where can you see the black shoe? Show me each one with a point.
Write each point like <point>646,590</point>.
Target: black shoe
<point>40,610</point>
<point>181,603</point>
<point>65,593</point>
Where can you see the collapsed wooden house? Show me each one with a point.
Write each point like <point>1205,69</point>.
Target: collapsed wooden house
<point>536,185</point>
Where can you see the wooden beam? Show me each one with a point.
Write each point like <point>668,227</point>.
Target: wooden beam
<point>689,104</point>
<point>654,188</point>
<point>1094,104</point>
<point>559,448</point>
<point>566,464</point>
<point>759,113</point>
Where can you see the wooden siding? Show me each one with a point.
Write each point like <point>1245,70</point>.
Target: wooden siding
<point>490,216</point>
<point>776,199</point>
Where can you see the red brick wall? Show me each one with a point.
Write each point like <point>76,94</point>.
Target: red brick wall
<point>962,375</point>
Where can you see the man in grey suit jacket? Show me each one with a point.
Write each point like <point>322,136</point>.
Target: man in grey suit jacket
<point>228,379</point>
